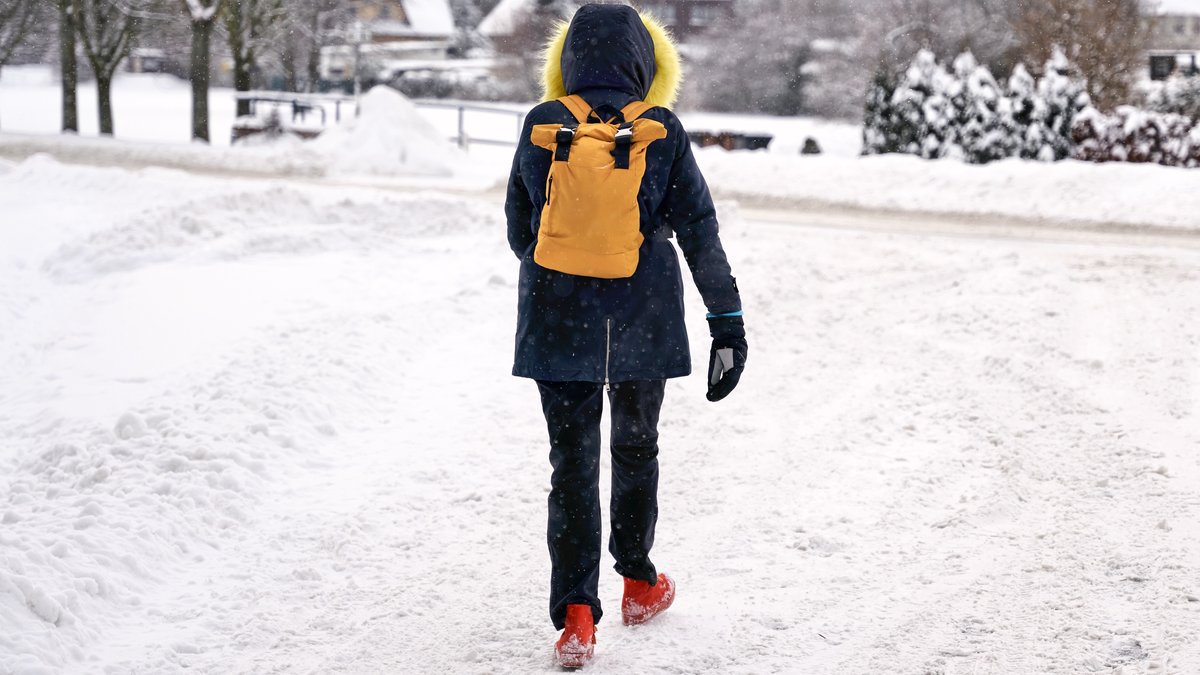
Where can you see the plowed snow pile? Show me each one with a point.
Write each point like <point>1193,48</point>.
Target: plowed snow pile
<point>390,136</point>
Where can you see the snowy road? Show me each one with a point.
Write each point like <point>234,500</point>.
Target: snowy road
<point>267,426</point>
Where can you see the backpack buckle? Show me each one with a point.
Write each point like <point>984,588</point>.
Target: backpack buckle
<point>563,140</point>
<point>624,144</point>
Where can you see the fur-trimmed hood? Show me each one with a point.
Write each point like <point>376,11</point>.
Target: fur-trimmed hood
<point>612,47</point>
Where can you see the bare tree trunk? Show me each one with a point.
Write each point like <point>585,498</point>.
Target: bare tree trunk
<point>249,27</point>
<point>68,66</point>
<point>104,98</point>
<point>239,17</point>
<point>201,41</point>
<point>291,76</point>
<point>314,53</point>
<point>242,82</point>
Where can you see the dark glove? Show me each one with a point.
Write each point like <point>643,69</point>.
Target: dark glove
<point>727,359</point>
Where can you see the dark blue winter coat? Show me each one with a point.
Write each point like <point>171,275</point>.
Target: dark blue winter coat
<point>573,328</point>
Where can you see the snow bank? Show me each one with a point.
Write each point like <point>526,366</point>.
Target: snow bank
<point>134,469</point>
<point>281,160</point>
<point>390,136</point>
<point>1063,193</point>
<point>238,224</point>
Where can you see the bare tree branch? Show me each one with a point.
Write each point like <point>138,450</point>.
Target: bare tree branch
<point>106,33</point>
<point>132,8</point>
<point>16,17</point>
<point>1104,38</point>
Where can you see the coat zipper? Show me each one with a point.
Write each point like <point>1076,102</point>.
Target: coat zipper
<point>549,189</point>
<point>607,351</point>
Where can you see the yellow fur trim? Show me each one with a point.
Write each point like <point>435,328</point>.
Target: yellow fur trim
<point>552,79</point>
<point>669,75</point>
<point>669,70</point>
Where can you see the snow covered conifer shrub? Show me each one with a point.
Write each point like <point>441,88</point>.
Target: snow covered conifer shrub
<point>1023,116</point>
<point>915,88</point>
<point>966,114</point>
<point>942,121</point>
<point>881,131</point>
<point>935,113</point>
<point>981,134</point>
<point>1065,97</point>
<point>920,117</point>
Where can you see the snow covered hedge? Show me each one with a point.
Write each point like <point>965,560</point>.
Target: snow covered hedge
<point>964,113</point>
<point>1132,135</point>
<point>1167,132</point>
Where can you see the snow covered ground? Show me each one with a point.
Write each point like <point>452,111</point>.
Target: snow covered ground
<point>256,417</point>
<point>266,425</point>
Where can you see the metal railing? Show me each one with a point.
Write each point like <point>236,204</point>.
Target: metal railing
<point>302,105</point>
<point>463,138</point>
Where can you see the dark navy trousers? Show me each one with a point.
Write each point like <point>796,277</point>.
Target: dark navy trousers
<point>572,412</point>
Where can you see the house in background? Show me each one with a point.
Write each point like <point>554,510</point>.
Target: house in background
<point>384,35</point>
<point>1174,38</point>
<point>405,20</point>
<point>685,18</point>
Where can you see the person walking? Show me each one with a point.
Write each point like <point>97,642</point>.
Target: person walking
<point>602,180</point>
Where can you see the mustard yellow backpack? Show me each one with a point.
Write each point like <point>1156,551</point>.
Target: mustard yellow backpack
<point>591,222</point>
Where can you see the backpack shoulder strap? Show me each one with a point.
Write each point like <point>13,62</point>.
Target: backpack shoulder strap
<point>635,110</point>
<point>577,106</point>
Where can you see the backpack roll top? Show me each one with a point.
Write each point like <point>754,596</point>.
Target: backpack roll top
<point>591,220</point>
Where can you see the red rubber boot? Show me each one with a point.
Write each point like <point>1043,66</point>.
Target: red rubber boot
<point>577,645</point>
<point>643,602</point>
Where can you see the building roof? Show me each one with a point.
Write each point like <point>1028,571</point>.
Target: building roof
<point>1191,7</point>
<point>425,17</point>
<point>505,17</point>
